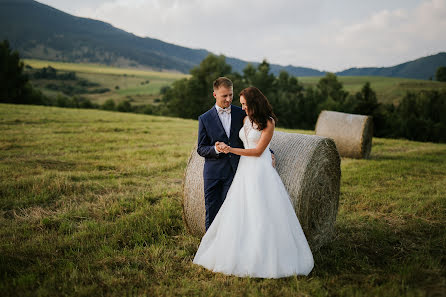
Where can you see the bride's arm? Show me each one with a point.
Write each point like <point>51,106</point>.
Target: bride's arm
<point>265,138</point>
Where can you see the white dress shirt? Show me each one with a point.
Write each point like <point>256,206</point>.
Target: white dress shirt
<point>225,119</point>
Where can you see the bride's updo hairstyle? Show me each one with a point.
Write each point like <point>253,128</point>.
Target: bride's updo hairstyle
<point>258,108</point>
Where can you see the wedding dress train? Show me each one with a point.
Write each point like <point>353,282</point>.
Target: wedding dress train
<point>256,232</point>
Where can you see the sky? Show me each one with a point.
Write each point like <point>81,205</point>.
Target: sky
<point>321,34</point>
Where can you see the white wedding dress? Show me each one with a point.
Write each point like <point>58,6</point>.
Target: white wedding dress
<point>256,232</point>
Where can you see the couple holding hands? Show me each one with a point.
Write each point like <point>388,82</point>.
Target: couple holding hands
<point>251,227</point>
<point>222,147</point>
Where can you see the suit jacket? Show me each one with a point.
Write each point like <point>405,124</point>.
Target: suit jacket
<point>210,130</point>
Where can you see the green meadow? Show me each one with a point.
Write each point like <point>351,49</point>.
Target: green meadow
<point>140,86</point>
<point>91,206</point>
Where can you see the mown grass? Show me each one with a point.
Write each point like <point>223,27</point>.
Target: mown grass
<point>91,206</point>
<point>100,68</point>
<point>388,89</point>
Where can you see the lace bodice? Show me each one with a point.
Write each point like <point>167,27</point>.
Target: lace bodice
<point>250,135</point>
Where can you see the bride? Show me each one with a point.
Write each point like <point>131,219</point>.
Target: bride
<point>256,232</point>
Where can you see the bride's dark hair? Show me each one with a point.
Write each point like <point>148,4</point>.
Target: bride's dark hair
<point>259,109</point>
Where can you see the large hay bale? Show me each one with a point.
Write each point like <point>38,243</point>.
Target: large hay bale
<point>309,167</point>
<point>352,133</point>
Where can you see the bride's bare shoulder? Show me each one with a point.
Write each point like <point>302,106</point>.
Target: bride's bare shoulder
<point>245,119</point>
<point>272,121</point>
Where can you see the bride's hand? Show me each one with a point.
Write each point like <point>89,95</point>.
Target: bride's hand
<point>224,147</point>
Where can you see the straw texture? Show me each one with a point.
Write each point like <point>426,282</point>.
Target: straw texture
<point>352,133</point>
<point>309,167</point>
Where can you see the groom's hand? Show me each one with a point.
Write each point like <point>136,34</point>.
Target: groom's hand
<point>225,148</point>
<point>273,158</point>
<point>220,145</point>
<point>217,146</point>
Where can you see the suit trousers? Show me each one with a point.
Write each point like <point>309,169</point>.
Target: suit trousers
<point>215,191</point>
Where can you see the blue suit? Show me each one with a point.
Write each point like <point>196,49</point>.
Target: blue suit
<point>219,169</point>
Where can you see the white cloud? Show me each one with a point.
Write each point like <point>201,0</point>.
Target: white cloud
<point>392,37</point>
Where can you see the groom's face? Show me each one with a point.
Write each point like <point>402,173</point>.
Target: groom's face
<point>223,96</point>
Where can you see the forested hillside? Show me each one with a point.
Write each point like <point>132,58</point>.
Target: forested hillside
<point>41,32</point>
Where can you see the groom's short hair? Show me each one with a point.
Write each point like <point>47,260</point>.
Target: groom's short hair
<point>222,81</point>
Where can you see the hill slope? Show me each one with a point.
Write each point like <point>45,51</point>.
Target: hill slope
<point>422,68</point>
<point>42,32</point>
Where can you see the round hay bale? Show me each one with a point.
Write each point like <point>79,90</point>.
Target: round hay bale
<point>309,167</point>
<point>352,133</point>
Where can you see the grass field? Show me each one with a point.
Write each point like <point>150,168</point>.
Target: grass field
<point>388,89</point>
<point>91,206</point>
<point>132,83</point>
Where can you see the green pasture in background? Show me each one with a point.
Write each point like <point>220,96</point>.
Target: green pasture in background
<point>132,84</point>
<point>91,206</point>
<point>388,89</point>
<point>137,85</point>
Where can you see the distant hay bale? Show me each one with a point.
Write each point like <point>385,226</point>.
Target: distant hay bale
<point>352,133</point>
<point>309,167</point>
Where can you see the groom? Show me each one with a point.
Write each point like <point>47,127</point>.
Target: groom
<point>218,126</point>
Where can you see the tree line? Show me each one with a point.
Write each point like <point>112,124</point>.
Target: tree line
<point>419,116</point>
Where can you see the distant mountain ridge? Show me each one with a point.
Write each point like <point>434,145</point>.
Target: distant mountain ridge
<point>422,68</point>
<point>42,32</point>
